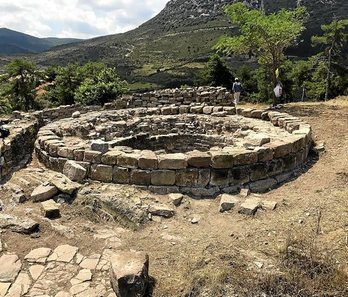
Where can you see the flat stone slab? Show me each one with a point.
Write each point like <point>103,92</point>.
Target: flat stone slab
<point>10,265</point>
<point>64,184</point>
<point>43,193</point>
<point>90,262</point>
<point>250,206</point>
<point>84,275</point>
<point>35,271</point>
<point>269,205</point>
<point>227,202</point>
<point>161,210</point>
<point>63,253</point>
<point>18,225</point>
<point>39,255</point>
<point>4,288</point>
<point>21,286</point>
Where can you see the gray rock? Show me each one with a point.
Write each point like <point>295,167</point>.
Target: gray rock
<point>227,202</point>
<point>18,225</point>
<point>44,192</point>
<point>100,146</point>
<point>74,171</point>
<point>250,206</point>
<point>129,273</point>
<point>64,184</point>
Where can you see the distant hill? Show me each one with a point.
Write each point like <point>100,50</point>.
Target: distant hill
<point>13,43</point>
<point>168,50</point>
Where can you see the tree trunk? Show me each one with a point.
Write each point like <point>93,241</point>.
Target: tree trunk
<point>328,77</point>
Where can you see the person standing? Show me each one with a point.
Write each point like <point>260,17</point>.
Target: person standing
<point>237,89</point>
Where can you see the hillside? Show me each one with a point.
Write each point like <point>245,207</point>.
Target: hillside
<point>169,48</point>
<point>13,42</point>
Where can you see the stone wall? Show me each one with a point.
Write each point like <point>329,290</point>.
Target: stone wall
<point>209,95</point>
<point>197,173</point>
<point>175,97</point>
<point>17,148</point>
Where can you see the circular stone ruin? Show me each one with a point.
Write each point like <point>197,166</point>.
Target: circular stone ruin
<point>197,149</point>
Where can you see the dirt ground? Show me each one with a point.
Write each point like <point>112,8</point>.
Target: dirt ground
<point>312,208</point>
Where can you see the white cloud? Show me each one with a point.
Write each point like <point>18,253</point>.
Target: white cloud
<point>76,18</point>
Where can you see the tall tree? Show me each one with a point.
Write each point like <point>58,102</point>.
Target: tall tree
<point>334,39</point>
<point>263,36</point>
<point>22,82</point>
<point>216,73</point>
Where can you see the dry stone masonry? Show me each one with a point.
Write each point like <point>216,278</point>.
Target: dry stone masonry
<point>189,147</point>
<point>189,141</point>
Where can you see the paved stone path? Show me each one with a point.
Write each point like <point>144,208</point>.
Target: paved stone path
<point>62,272</point>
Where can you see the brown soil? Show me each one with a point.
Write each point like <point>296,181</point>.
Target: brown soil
<point>313,208</point>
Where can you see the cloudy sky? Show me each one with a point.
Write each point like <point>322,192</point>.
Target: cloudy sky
<point>76,18</point>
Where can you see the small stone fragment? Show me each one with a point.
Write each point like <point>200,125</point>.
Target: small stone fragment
<point>269,205</point>
<point>250,206</point>
<point>76,115</point>
<point>176,199</point>
<point>50,209</point>
<point>227,202</point>
<point>195,220</point>
<point>245,192</point>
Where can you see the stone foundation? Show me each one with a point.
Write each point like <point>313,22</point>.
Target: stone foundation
<point>191,149</point>
<point>18,146</point>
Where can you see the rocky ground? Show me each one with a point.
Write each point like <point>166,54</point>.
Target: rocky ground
<point>195,247</point>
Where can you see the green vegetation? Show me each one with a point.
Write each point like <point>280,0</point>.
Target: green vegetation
<point>264,36</point>
<point>216,73</point>
<point>334,39</point>
<point>18,85</point>
<point>24,87</point>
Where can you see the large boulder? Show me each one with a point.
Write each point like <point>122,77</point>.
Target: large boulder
<point>74,171</point>
<point>129,273</point>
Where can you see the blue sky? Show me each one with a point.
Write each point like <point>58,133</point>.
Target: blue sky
<point>76,18</point>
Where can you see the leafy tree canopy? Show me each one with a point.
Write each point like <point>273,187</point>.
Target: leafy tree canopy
<point>264,36</point>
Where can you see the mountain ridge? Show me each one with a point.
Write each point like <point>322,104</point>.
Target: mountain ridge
<point>170,48</point>
<point>13,42</point>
